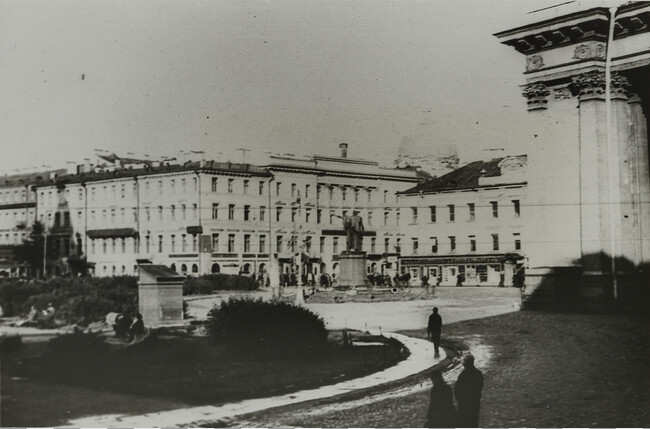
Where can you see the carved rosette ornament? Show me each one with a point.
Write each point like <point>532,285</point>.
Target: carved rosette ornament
<point>534,62</point>
<point>592,85</point>
<point>536,94</point>
<point>590,51</point>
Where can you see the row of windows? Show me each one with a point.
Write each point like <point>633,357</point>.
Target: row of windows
<point>471,211</point>
<point>11,197</point>
<point>471,243</point>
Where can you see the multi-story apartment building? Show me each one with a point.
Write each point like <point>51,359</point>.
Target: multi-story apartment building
<point>309,197</point>
<point>208,217</point>
<point>17,215</point>
<point>466,226</point>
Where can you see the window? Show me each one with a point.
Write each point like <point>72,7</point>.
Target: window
<point>307,215</point>
<point>215,210</point>
<point>261,188</point>
<point>319,216</point>
<point>495,241</point>
<point>515,205</point>
<point>386,245</point>
<point>495,208</point>
<point>231,211</point>
<point>278,244</point>
<point>370,218</point>
<point>160,213</point>
<point>472,243</point>
<point>385,218</point>
<point>195,210</point>
<point>319,189</point>
<point>262,244</point>
<point>215,242</point>
<point>231,243</point>
<point>397,217</point>
<point>385,196</point>
<point>247,243</point>
<point>432,213</point>
<point>294,211</point>
<point>414,242</point>
<point>331,192</point>
<point>344,193</point>
<point>262,213</point>
<point>414,213</point>
<point>398,245</point>
<point>183,185</point>
<point>247,212</point>
<point>173,243</point>
<point>321,245</point>
<point>308,244</point>
<point>293,190</point>
<point>173,212</point>
<point>307,191</point>
<point>147,243</point>
<point>335,245</point>
<point>215,180</point>
<point>246,186</point>
<point>452,213</point>
<point>160,244</point>
<point>183,211</point>
<point>230,185</point>
<point>356,194</point>
<point>369,191</point>
<point>517,238</point>
<point>278,214</point>
<point>472,211</point>
<point>278,188</point>
<point>434,245</point>
<point>195,240</point>
<point>183,243</point>
<point>123,245</point>
<point>112,216</point>
<point>160,187</point>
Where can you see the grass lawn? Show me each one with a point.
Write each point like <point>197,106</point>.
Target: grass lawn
<point>546,370</point>
<point>173,372</point>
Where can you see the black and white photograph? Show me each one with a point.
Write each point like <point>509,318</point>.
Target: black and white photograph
<point>324,213</point>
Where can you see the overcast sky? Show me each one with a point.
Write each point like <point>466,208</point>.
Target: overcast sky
<point>157,77</point>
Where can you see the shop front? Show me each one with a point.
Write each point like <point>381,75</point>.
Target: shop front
<point>474,270</point>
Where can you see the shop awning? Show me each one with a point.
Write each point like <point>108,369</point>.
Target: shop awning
<point>112,233</point>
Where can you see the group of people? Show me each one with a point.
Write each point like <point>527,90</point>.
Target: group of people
<point>442,412</point>
<point>125,327</point>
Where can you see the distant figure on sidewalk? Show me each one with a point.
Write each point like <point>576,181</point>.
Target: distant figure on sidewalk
<point>433,330</point>
<point>468,394</point>
<point>441,413</point>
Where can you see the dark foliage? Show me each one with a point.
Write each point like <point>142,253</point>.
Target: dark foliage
<point>210,283</point>
<point>266,327</point>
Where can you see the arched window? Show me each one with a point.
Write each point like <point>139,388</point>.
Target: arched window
<point>172,267</point>
<point>195,268</point>
<point>183,268</point>
<point>216,268</point>
<point>247,268</point>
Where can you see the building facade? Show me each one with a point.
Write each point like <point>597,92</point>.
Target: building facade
<point>587,83</point>
<point>466,227</point>
<point>210,217</point>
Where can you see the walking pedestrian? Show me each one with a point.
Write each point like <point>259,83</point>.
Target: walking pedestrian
<point>433,330</point>
<point>468,394</point>
<point>441,413</point>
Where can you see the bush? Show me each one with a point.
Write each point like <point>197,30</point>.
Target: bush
<point>210,283</point>
<point>266,327</point>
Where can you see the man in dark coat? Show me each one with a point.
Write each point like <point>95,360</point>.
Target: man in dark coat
<point>433,329</point>
<point>441,413</point>
<point>468,394</point>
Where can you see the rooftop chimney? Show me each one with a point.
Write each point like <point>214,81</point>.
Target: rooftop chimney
<point>344,150</point>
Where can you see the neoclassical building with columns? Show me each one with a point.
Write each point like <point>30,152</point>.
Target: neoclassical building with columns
<point>587,81</point>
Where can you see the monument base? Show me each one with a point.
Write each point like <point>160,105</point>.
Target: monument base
<point>352,270</point>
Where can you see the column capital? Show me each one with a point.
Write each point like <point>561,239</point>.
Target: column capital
<point>591,85</point>
<point>536,94</point>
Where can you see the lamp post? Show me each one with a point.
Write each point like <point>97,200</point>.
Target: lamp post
<point>297,242</point>
<point>45,233</point>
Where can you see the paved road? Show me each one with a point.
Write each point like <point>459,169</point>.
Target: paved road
<point>454,303</point>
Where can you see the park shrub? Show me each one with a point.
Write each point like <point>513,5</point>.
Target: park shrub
<point>266,327</point>
<point>211,283</point>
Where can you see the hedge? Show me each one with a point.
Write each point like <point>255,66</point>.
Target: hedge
<point>265,327</point>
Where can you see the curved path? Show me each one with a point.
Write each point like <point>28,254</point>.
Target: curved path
<point>377,318</point>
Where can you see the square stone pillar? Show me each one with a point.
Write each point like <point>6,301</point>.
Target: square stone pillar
<point>160,295</point>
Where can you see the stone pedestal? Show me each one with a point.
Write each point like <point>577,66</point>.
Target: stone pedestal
<point>352,270</point>
<point>160,296</point>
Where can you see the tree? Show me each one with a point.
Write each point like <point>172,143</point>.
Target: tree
<point>31,251</point>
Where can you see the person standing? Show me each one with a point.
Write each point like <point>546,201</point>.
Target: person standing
<point>468,394</point>
<point>433,330</point>
<point>441,413</point>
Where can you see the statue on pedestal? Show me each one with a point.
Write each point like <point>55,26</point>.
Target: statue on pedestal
<point>353,226</point>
